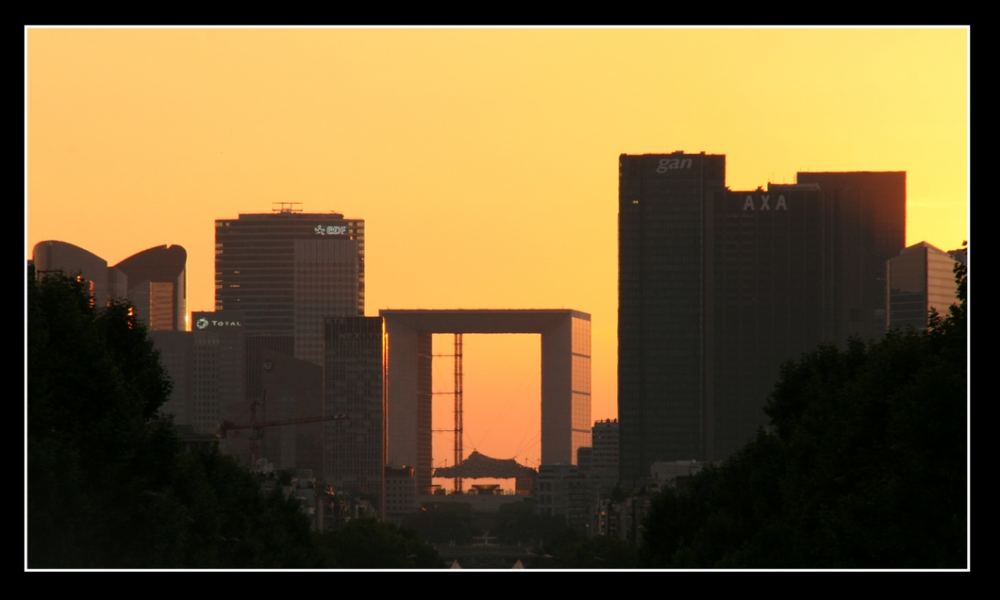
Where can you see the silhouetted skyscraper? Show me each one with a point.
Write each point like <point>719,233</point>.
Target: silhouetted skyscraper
<point>355,446</point>
<point>661,229</point>
<point>717,288</point>
<point>288,271</point>
<point>868,228</point>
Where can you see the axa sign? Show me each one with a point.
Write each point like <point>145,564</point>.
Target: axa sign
<point>763,202</point>
<point>330,230</point>
<point>672,164</point>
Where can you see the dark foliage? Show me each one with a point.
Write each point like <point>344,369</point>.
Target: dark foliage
<point>863,466</point>
<point>369,544</point>
<point>109,485</point>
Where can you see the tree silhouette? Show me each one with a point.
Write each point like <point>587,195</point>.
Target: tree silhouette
<point>109,485</point>
<point>863,465</point>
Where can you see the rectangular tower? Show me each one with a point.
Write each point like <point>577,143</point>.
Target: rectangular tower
<point>288,271</point>
<point>661,217</point>
<point>869,228</point>
<point>353,388</point>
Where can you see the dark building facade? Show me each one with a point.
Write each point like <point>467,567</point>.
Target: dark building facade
<point>661,230</point>
<point>717,288</point>
<point>290,390</point>
<point>218,390</point>
<point>288,271</point>
<point>355,446</point>
<point>768,286</point>
<point>868,228</point>
<point>156,286</point>
<point>176,354</point>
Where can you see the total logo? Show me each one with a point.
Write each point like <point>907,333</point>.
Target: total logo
<point>204,323</point>
<point>330,230</point>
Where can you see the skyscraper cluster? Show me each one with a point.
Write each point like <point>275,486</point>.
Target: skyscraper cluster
<point>717,288</point>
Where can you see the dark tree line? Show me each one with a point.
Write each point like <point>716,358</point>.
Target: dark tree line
<point>109,483</point>
<point>863,465</point>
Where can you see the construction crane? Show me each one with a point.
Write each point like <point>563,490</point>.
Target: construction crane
<point>256,427</point>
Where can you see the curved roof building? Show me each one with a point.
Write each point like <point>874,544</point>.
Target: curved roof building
<point>156,286</point>
<point>54,256</point>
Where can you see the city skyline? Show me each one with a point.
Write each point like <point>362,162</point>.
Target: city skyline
<point>482,161</point>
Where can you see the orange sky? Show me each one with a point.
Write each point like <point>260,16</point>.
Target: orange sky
<point>484,161</point>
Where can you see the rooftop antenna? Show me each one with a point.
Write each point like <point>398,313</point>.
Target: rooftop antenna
<point>286,207</point>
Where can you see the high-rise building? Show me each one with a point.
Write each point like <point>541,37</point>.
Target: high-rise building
<point>288,271</point>
<point>156,286</point>
<point>920,279</point>
<point>355,445</point>
<point>718,287</point>
<point>867,229</point>
<point>661,230</point>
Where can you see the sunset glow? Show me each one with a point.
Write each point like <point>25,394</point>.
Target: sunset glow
<point>483,161</point>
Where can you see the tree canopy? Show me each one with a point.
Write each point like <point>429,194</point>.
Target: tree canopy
<point>863,465</point>
<point>109,484</point>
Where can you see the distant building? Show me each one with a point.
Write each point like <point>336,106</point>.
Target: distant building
<point>156,279</point>
<point>604,466</point>
<point>400,493</point>
<point>562,490</point>
<point>920,279</point>
<point>288,271</point>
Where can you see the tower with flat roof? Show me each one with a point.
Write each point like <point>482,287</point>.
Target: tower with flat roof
<point>288,271</point>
